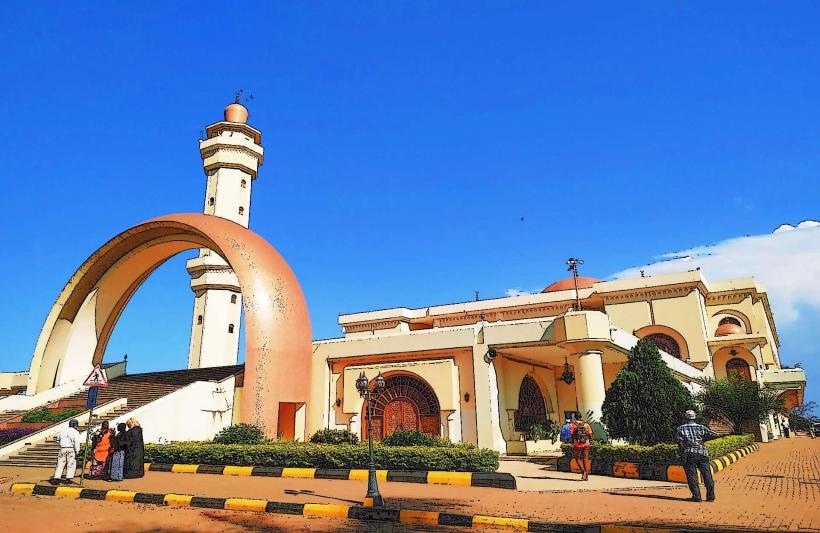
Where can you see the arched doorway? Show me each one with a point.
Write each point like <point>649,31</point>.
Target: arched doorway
<point>278,339</point>
<point>532,409</point>
<point>739,368</point>
<point>407,403</point>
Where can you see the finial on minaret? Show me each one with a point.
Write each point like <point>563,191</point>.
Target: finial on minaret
<point>236,112</point>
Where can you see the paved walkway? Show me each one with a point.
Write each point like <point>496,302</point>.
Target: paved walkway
<point>532,477</point>
<point>776,488</point>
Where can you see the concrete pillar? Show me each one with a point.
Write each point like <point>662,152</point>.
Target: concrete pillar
<point>589,383</point>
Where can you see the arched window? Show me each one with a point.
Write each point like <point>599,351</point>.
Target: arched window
<point>739,368</point>
<point>199,319</point>
<point>666,343</point>
<point>211,200</point>
<point>531,406</point>
<point>729,320</point>
<point>230,328</point>
<point>241,210</point>
<point>244,183</point>
<point>233,298</point>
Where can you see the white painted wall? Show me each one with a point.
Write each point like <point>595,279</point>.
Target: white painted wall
<point>195,412</point>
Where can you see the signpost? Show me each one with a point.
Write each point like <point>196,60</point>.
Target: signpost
<point>96,379</point>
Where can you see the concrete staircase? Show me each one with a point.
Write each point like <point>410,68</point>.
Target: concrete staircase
<point>139,389</point>
<point>8,415</point>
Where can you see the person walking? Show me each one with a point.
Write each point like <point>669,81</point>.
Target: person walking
<point>786,429</point>
<point>566,431</point>
<point>690,437</point>
<point>69,440</point>
<point>581,435</point>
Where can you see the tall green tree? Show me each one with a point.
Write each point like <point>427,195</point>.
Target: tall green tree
<point>645,403</point>
<point>737,402</point>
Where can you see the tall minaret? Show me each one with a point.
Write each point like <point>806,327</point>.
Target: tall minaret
<point>231,155</point>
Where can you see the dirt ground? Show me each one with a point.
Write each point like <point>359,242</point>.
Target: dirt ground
<point>776,488</point>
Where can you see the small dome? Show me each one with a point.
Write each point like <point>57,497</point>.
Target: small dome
<point>729,329</point>
<point>236,112</point>
<point>565,284</point>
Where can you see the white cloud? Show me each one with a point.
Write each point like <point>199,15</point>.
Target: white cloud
<point>786,261</point>
<point>516,292</point>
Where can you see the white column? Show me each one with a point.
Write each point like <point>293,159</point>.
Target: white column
<point>589,383</point>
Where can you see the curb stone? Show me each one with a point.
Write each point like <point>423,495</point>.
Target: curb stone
<point>498,480</point>
<point>322,510</point>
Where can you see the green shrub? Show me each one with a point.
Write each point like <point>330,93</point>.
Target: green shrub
<point>307,455</point>
<point>408,438</point>
<point>660,453</point>
<point>646,402</point>
<point>334,436</point>
<point>240,434</point>
<point>44,415</point>
<point>548,431</point>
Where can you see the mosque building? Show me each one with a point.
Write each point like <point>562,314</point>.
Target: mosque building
<point>481,371</point>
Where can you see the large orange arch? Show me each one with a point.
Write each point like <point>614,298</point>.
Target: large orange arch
<point>277,335</point>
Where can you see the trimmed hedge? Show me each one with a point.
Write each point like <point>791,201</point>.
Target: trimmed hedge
<point>660,453</point>
<point>44,415</point>
<point>307,455</point>
<point>240,434</point>
<point>334,436</point>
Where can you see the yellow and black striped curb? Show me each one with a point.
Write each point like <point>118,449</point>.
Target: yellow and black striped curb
<point>497,480</point>
<point>322,510</point>
<point>651,471</point>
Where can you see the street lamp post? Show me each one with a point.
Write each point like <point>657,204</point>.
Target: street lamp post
<point>573,263</point>
<point>373,498</point>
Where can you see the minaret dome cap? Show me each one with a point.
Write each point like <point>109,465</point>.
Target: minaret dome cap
<point>236,112</point>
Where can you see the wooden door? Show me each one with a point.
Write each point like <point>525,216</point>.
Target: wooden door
<point>400,413</point>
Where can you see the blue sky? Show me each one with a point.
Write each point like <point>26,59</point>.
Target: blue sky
<point>404,143</point>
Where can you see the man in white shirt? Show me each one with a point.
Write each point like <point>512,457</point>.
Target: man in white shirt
<point>69,440</point>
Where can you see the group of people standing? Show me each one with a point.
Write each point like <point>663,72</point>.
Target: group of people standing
<point>115,455</point>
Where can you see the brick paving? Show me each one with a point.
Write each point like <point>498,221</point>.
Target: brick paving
<point>776,488</point>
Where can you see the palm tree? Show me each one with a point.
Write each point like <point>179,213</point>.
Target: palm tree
<point>737,402</point>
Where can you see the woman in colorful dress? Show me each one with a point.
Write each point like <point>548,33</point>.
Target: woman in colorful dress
<point>101,454</point>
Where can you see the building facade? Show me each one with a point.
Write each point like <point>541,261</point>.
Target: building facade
<point>484,371</point>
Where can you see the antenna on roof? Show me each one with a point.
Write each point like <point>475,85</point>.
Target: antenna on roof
<point>476,296</point>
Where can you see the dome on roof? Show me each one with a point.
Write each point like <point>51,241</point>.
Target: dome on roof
<point>236,112</point>
<point>584,282</point>
<point>729,329</point>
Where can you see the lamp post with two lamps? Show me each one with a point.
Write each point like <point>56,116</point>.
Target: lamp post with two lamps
<point>373,498</point>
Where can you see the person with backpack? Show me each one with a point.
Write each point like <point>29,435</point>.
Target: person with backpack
<point>581,434</point>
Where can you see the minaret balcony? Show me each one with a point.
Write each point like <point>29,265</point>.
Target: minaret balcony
<point>215,279</point>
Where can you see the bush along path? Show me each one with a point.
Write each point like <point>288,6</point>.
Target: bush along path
<point>457,458</point>
<point>660,462</point>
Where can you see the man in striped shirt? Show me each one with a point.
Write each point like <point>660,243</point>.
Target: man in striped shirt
<point>691,436</point>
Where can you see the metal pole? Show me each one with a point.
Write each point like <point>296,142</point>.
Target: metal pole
<point>87,439</point>
<point>372,482</point>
